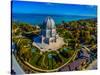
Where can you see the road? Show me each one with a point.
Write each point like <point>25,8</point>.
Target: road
<point>93,65</point>
<point>15,66</point>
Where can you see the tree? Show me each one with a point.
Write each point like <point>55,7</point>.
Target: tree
<point>87,37</point>
<point>26,53</point>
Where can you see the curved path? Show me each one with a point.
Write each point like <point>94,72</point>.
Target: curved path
<point>41,70</point>
<point>15,66</point>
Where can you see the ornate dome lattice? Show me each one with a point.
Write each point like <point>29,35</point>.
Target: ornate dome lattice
<point>49,22</point>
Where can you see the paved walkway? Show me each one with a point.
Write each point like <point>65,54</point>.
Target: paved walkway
<point>16,67</point>
<point>52,46</point>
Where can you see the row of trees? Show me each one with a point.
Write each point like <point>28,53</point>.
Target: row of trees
<point>77,24</point>
<point>23,43</point>
<point>76,32</point>
<point>23,28</point>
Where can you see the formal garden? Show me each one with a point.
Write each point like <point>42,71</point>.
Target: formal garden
<point>74,34</point>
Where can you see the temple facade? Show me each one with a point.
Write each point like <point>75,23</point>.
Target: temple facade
<point>48,32</point>
<point>48,39</point>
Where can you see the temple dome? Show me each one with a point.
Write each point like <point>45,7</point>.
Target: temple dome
<point>49,22</point>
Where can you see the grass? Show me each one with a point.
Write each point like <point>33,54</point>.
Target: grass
<point>34,59</point>
<point>46,63</point>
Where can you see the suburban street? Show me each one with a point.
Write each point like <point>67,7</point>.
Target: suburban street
<point>93,65</point>
<point>15,66</point>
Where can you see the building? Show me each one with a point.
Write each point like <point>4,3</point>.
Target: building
<point>48,32</point>
<point>48,39</point>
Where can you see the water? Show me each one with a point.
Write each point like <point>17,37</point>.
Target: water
<point>36,19</point>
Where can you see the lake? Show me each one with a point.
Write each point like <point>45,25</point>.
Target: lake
<point>35,19</point>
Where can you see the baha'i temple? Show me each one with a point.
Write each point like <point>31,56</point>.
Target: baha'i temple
<point>48,38</point>
<point>49,31</point>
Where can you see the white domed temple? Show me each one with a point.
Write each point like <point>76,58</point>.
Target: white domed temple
<point>49,31</point>
<point>48,38</point>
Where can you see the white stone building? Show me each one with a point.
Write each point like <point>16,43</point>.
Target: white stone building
<point>48,31</point>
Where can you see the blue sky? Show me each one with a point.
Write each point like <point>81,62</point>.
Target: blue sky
<point>53,8</point>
